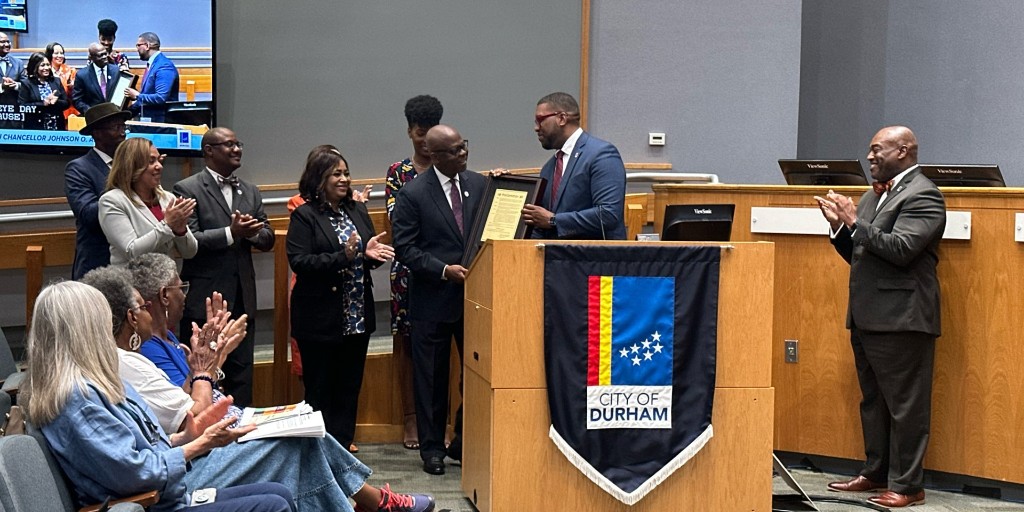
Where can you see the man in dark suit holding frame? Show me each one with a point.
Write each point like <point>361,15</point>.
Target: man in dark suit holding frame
<point>433,216</point>
<point>95,83</point>
<point>891,240</point>
<point>228,222</point>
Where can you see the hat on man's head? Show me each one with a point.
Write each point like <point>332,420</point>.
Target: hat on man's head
<point>101,112</point>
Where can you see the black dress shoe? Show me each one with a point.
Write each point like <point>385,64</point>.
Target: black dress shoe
<point>434,465</point>
<point>455,449</point>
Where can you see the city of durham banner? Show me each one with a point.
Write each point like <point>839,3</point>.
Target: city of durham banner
<point>629,344</point>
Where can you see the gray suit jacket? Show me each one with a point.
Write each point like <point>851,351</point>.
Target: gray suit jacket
<point>132,230</point>
<point>218,266</point>
<point>893,254</point>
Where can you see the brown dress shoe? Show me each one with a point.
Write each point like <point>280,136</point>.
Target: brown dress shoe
<point>856,484</point>
<point>892,499</point>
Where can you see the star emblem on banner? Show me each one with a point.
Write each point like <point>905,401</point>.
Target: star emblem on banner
<point>643,351</point>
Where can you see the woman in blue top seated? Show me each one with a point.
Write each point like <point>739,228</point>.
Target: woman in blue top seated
<point>320,473</point>
<point>101,432</point>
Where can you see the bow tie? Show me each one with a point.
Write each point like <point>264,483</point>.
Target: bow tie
<point>881,187</point>
<point>230,180</point>
<point>5,59</point>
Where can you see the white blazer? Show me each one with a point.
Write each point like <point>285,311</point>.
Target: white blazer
<point>132,230</point>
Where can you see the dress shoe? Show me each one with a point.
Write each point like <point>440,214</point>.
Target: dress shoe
<point>892,499</point>
<point>434,465</point>
<point>455,449</point>
<point>856,484</point>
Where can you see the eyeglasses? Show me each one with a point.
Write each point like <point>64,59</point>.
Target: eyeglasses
<point>184,287</point>
<point>455,151</point>
<point>230,144</point>
<point>139,45</point>
<point>5,42</point>
<point>537,120</point>
<point>148,305</point>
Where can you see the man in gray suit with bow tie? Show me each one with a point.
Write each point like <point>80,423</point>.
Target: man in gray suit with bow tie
<point>228,222</point>
<point>891,241</point>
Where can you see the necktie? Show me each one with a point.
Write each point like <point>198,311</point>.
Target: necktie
<point>556,180</point>
<point>5,62</point>
<point>103,83</point>
<point>144,73</point>
<point>456,203</point>
<point>881,187</point>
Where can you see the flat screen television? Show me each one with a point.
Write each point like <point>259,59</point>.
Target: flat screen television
<point>957,175</point>
<point>186,38</point>
<point>698,222</point>
<point>14,15</point>
<point>823,172</point>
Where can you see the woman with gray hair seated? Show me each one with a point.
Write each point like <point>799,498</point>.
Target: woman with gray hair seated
<point>100,430</point>
<point>319,472</point>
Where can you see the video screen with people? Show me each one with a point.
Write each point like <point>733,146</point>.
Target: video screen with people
<point>158,67</point>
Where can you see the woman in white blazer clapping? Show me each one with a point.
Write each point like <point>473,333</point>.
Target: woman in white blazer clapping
<point>137,215</point>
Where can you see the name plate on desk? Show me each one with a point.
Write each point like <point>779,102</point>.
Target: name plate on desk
<point>809,221</point>
<point>788,221</point>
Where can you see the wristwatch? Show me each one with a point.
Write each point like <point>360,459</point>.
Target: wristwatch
<point>552,221</point>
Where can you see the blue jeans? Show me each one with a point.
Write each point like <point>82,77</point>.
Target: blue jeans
<point>266,497</point>
<point>320,474</point>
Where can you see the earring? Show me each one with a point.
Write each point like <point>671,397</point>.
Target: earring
<point>135,341</point>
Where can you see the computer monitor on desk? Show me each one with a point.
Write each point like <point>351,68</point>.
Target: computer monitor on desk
<point>823,172</point>
<point>194,113</point>
<point>954,175</point>
<point>698,222</point>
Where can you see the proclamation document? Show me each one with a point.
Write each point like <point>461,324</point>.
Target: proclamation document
<point>503,217</point>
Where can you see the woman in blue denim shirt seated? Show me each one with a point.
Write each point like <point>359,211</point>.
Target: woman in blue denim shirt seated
<point>101,432</point>
<point>318,471</point>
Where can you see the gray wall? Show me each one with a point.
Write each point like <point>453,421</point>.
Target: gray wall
<point>292,75</point>
<point>948,69</point>
<point>842,77</point>
<point>721,79</point>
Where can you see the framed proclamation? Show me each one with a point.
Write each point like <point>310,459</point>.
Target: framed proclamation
<point>124,81</point>
<point>500,214</point>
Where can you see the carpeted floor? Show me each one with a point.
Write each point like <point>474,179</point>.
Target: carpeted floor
<point>403,470</point>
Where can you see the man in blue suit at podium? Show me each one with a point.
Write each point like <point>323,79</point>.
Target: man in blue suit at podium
<point>159,83</point>
<point>586,180</point>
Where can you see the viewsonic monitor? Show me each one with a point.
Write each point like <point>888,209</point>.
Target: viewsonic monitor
<point>956,175</point>
<point>698,222</point>
<point>823,172</point>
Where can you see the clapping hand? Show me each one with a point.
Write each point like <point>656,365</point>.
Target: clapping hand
<point>51,99</point>
<point>364,196</point>
<point>177,213</point>
<point>244,225</point>
<point>379,251</point>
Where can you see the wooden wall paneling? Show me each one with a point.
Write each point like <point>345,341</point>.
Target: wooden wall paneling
<point>978,389</point>
<point>35,260</point>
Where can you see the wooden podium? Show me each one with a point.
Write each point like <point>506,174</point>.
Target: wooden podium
<point>510,464</point>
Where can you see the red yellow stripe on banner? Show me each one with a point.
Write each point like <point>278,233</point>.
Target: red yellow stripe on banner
<point>599,331</point>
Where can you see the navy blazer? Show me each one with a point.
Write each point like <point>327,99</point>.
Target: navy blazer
<point>87,92</point>
<point>318,260</point>
<point>159,87</point>
<point>591,196</point>
<point>29,96</point>
<point>893,255</point>
<point>16,71</point>
<point>85,179</point>
<point>427,238</point>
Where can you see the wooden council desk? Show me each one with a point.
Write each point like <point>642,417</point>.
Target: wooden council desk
<point>978,394</point>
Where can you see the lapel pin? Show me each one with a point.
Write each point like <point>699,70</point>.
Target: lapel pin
<point>577,155</point>
<point>465,193</point>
